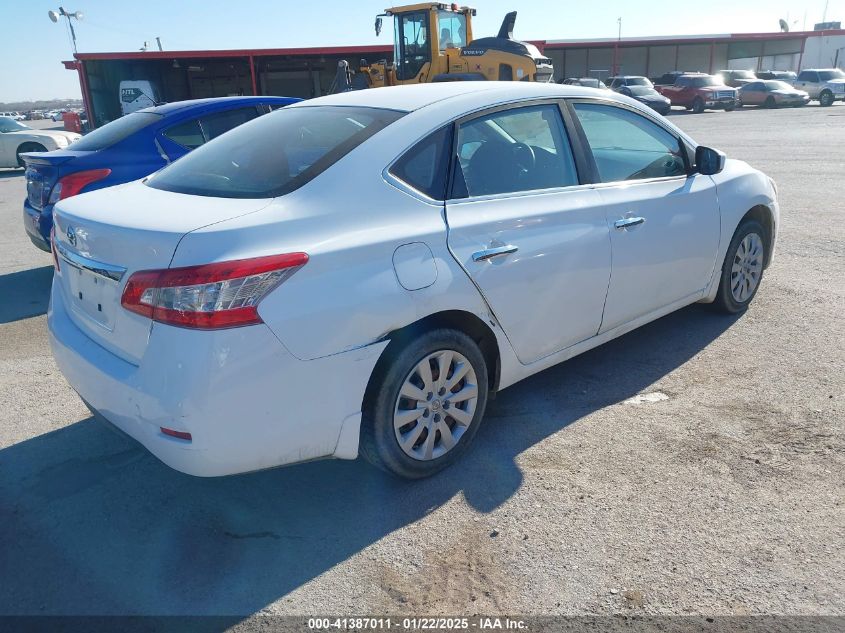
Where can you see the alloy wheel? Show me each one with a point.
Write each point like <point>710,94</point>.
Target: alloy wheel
<point>435,405</point>
<point>747,267</point>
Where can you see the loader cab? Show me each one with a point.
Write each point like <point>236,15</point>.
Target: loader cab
<point>422,35</point>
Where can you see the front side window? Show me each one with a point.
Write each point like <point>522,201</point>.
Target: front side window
<point>628,146</point>
<point>412,44</point>
<point>216,124</point>
<point>523,149</point>
<point>274,154</point>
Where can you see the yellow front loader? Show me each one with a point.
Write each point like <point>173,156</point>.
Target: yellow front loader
<point>434,42</point>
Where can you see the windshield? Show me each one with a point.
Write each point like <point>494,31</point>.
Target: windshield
<point>274,154</point>
<point>10,125</point>
<point>453,28</point>
<point>778,85</point>
<point>641,91</point>
<point>639,81</point>
<point>116,131</point>
<point>743,74</point>
<point>701,82</point>
<point>827,75</point>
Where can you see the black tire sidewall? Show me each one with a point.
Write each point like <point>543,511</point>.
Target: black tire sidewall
<point>826,99</point>
<point>29,146</point>
<point>698,105</point>
<point>378,439</point>
<point>724,298</point>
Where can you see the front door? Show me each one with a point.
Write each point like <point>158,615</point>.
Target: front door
<point>663,218</point>
<point>534,241</point>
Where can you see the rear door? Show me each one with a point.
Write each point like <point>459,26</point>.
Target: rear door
<point>663,219</point>
<point>533,239</point>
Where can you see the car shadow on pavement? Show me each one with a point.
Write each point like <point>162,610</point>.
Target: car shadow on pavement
<point>10,173</point>
<point>92,524</point>
<point>25,294</point>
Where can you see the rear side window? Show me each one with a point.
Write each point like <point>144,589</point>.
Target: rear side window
<point>216,124</point>
<point>628,146</point>
<point>187,134</point>
<point>116,131</point>
<point>425,165</point>
<point>274,154</point>
<point>808,76</point>
<point>522,149</point>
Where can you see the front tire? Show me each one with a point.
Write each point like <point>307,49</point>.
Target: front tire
<point>826,99</point>
<point>742,270</point>
<point>698,105</point>
<point>424,404</point>
<point>770,102</point>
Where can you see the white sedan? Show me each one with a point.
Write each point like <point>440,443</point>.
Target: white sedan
<point>358,273</point>
<point>17,138</point>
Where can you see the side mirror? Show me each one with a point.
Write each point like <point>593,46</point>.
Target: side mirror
<point>709,161</point>
<point>378,27</point>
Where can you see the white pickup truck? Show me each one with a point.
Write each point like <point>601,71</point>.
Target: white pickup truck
<point>824,85</point>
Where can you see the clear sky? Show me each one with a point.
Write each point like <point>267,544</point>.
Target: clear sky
<point>32,47</point>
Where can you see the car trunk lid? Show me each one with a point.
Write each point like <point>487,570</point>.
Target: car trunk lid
<point>105,236</point>
<point>43,170</point>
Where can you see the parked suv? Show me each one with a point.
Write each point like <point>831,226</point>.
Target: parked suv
<point>823,84</point>
<point>698,92</point>
<point>737,78</point>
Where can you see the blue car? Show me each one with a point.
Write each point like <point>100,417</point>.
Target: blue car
<point>129,148</point>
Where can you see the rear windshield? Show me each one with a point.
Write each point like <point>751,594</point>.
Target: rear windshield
<point>116,131</point>
<point>274,154</point>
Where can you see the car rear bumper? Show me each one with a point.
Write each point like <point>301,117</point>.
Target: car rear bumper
<point>246,401</point>
<point>38,224</point>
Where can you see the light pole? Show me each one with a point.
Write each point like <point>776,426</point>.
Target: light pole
<point>616,48</point>
<point>76,15</point>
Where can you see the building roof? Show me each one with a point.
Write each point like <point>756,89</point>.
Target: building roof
<point>381,49</point>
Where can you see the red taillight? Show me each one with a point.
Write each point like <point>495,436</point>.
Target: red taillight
<point>53,248</point>
<point>72,184</point>
<point>182,435</point>
<point>210,296</point>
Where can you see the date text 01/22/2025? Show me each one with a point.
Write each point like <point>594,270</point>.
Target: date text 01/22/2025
<point>417,624</point>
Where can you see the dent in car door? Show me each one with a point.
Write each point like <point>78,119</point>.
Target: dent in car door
<point>535,243</point>
<point>664,223</point>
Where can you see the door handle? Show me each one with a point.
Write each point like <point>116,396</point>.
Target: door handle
<point>626,223</point>
<point>489,253</point>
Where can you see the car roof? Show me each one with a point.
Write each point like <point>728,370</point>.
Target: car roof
<point>213,103</point>
<point>468,93</point>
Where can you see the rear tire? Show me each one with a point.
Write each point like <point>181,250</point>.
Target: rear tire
<point>432,439</point>
<point>826,99</point>
<point>28,147</point>
<point>698,105</point>
<point>742,270</point>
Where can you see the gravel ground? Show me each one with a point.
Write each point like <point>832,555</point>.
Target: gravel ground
<point>722,496</point>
